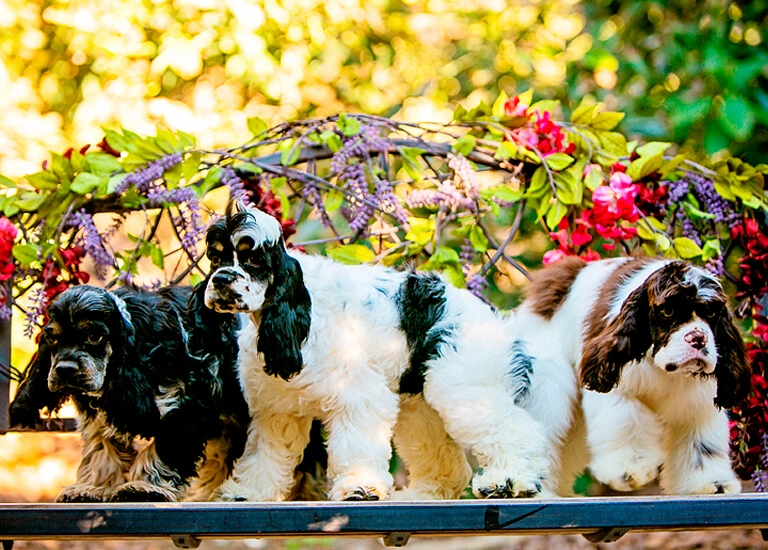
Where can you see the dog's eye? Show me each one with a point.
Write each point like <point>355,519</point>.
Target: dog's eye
<point>51,339</point>
<point>215,261</point>
<point>666,312</point>
<point>95,338</point>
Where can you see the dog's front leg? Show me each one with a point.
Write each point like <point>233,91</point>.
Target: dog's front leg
<point>697,455</point>
<point>359,449</point>
<point>103,466</point>
<point>625,440</point>
<point>275,445</point>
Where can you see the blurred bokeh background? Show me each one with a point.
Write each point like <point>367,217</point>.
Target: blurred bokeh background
<point>692,72</point>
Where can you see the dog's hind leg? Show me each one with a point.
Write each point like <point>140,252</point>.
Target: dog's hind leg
<point>437,466</point>
<point>475,384</point>
<point>104,464</point>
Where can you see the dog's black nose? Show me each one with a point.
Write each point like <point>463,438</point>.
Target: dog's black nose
<point>696,339</point>
<point>223,278</point>
<point>66,368</point>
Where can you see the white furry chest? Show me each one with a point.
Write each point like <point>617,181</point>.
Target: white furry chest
<point>672,396</point>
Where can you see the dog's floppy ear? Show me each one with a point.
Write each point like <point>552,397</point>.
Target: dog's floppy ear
<point>33,393</point>
<point>127,397</point>
<point>625,338</point>
<point>285,318</point>
<point>733,372</point>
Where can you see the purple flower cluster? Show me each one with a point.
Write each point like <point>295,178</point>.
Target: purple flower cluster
<point>38,303</point>
<point>190,224</point>
<point>236,186</point>
<point>312,194</point>
<point>466,255</point>
<point>475,284</point>
<point>456,194</point>
<point>760,475</point>
<point>145,176</point>
<point>711,201</point>
<point>92,242</point>
<point>348,165</point>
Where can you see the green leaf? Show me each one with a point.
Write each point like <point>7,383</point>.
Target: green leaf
<point>61,167</point>
<point>118,142</point>
<point>85,182</point>
<point>103,164</point>
<point>478,239</point>
<point>351,254</point>
<point>594,179</point>
<point>539,183</point>
<point>648,228</point>
<point>290,155</point>
<point>686,114</point>
<point>256,126</point>
<point>6,182</point>
<point>79,162</point>
<point>505,150</point>
<point>613,143</point>
<point>332,140</point>
<point>349,126</point>
<point>569,189</point>
<point>503,192</point>
<point>454,275</point>
<point>442,256</point>
<point>464,145</point>
<point>583,113</point>
<point>711,249</point>
<point>643,166</point>
<point>694,212</point>
<point>606,121</point>
<point>421,231</point>
<point>43,180</point>
<point>724,190</point>
<point>411,156</point>
<point>555,214</point>
<point>285,202</point>
<point>158,258</point>
<point>653,148</point>
<point>26,254</point>
<point>498,106</point>
<point>190,166</point>
<point>29,202</point>
<point>333,200</point>
<point>737,117</point>
<point>558,161</point>
<point>686,248</point>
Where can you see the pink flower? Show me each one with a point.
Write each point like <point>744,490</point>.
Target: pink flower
<point>513,107</point>
<point>552,256</point>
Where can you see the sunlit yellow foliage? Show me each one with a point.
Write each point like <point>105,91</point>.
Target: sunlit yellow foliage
<point>205,66</point>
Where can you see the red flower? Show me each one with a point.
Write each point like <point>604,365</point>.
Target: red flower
<point>513,107</point>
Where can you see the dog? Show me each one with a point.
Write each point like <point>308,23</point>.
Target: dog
<point>656,351</point>
<point>351,344</point>
<point>153,378</point>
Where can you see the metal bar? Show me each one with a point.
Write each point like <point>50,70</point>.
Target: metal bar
<point>231,520</point>
<point>5,359</point>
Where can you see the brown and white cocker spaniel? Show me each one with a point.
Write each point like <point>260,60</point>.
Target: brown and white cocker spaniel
<point>656,349</point>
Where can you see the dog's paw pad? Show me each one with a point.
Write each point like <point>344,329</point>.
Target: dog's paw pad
<point>510,489</point>
<point>362,493</point>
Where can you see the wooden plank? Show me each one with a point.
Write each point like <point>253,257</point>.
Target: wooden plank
<point>232,520</point>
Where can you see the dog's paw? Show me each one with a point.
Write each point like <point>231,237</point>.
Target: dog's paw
<point>628,470</point>
<point>81,493</point>
<point>508,483</point>
<point>723,486</point>
<point>140,491</point>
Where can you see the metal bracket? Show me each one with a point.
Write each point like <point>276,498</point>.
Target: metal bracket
<point>764,532</point>
<point>608,534</point>
<point>396,539</point>
<point>7,544</point>
<point>185,541</point>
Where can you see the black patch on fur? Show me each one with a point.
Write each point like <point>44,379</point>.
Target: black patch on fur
<point>421,302</point>
<point>703,450</point>
<point>285,315</point>
<point>521,370</point>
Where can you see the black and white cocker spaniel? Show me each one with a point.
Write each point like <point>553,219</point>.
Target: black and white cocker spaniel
<point>655,347</point>
<point>355,345</point>
<point>153,378</point>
